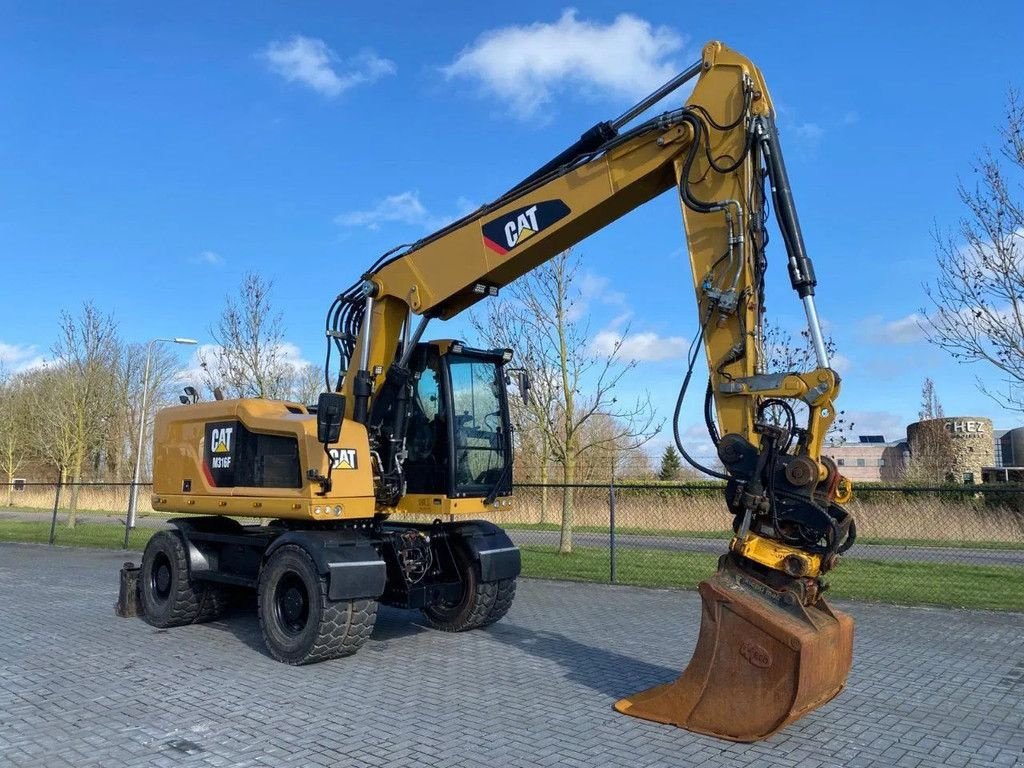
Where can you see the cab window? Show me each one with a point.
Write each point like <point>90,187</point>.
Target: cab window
<point>480,443</point>
<point>427,444</point>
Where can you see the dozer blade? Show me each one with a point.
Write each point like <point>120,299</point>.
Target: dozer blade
<point>762,660</point>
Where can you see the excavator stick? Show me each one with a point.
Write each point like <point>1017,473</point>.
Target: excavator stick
<point>763,659</point>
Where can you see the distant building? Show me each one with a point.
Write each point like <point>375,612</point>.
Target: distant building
<point>973,453</point>
<point>870,459</point>
<point>1008,450</point>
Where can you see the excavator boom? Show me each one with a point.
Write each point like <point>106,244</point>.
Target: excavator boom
<point>770,647</point>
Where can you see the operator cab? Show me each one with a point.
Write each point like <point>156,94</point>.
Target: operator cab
<point>459,437</point>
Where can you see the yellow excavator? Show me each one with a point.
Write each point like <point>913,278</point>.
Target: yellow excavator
<point>420,430</point>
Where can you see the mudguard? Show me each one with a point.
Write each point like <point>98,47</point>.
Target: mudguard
<point>202,561</point>
<point>351,563</point>
<point>490,546</point>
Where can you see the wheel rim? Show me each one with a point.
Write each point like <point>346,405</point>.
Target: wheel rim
<point>291,604</point>
<point>446,610</point>
<point>160,577</point>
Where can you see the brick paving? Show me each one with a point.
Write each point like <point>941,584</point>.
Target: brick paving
<point>80,687</point>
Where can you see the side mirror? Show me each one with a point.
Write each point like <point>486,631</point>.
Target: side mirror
<point>330,410</point>
<point>524,385</point>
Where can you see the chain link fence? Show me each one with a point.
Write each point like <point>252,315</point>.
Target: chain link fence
<point>948,545</point>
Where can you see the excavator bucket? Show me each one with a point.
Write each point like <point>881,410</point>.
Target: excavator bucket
<point>762,660</point>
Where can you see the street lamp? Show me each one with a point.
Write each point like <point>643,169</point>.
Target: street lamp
<point>133,499</point>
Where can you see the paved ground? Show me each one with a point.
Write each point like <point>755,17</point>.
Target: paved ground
<point>80,687</point>
<point>959,555</point>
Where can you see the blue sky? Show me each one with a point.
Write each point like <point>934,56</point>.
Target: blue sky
<point>151,155</point>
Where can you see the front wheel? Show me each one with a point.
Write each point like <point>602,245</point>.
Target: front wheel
<point>300,624</point>
<point>169,597</point>
<point>480,604</point>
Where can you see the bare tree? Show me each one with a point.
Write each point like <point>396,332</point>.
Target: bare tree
<point>582,381</point>
<point>932,453</point>
<point>85,362</point>
<point>130,378</point>
<point>784,353</point>
<point>504,324</point>
<point>15,433</point>
<point>249,359</point>
<point>977,312</point>
<point>51,412</point>
<point>307,383</point>
<point>931,408</point>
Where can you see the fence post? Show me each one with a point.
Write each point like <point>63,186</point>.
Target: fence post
<point>129,519</point>
<point>611,530</point>
<point>56,503</point>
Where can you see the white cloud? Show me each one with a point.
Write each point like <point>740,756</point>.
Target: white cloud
<point>524,66</point>
<point>808,134</point>
<point>403,208</point>
<point>309,61</point>
<point>644,347</point>
<point>803,136</point>
<point>905,330</point>
<point>841,364</point>
<point>698,444</point>
<point>210,258</point>
<point>594,288</point>
<point>17,358</point>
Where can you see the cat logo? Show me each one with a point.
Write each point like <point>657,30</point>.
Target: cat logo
<point>524,225</point>
<point>220,439</point>
<point>509,230</point>
<point>343,458</point>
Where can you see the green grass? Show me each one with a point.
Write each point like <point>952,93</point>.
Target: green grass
<point>82,535</point>
<point>992,587</point>
<point>726,534</point>
<point>943,543</point>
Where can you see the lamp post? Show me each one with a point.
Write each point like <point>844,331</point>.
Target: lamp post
<point>133,499</point>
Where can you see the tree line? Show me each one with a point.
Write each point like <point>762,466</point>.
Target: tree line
<point>76,417</point>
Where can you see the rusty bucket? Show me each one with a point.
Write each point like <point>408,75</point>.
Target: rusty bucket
<point>762,660</point>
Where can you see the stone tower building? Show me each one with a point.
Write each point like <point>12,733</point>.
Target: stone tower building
<point>951,449</point>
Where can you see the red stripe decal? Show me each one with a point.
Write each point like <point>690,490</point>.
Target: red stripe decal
<point>208,475</point>
<point>494,246</point>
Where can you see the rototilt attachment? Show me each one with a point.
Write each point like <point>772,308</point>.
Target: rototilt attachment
<point>763,659</point>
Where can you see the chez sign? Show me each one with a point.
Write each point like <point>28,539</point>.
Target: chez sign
<point>965,428</point>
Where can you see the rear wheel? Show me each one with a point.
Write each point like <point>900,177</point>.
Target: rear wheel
<point>169,597</point>
<point>505,593</point>
<point>300,624</point>
<point>479,604</point>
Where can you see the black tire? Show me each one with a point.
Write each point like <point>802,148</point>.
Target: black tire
<point>169,598</point>
<point>506,593</point>
<point>300,624</point>
<point>474,607</point>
